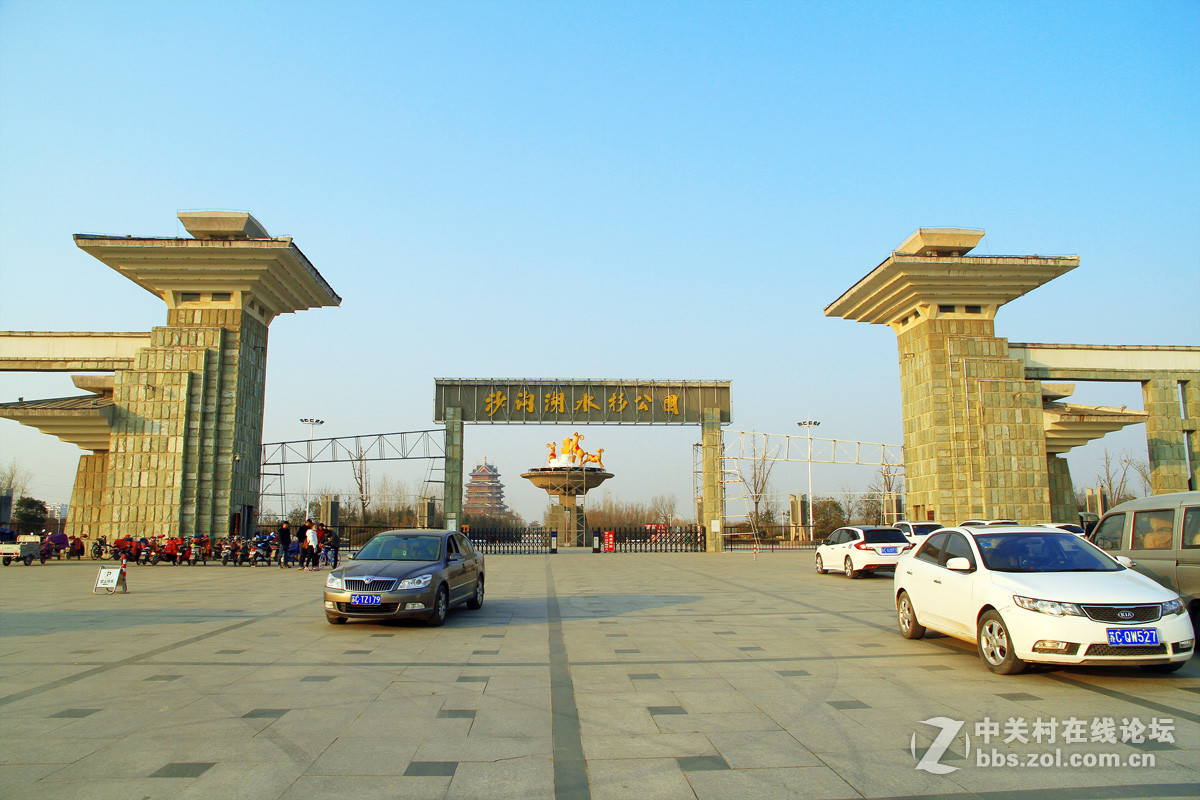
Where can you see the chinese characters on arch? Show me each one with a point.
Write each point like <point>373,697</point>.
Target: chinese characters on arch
<point>593,402</point>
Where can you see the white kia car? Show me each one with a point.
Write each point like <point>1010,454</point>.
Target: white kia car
<point>1036,595</point>
<point>861,549</point>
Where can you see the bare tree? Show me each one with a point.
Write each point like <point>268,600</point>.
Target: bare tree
<point>1114,476</point>
<point>362,479</point>
<point>662,507</point>
<point>758,482</point>
<point>14,480</point>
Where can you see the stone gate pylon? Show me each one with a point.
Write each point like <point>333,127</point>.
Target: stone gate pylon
<point>174,420</point>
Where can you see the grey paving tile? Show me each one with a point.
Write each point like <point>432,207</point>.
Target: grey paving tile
<point>701,763</point>
<point>666,710</point>
<point>431,769</point>
<point>844,704</point>
<point>182,770</point>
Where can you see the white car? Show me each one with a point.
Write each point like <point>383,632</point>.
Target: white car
<point>984,523</point>
<point>1036,595</point>
<point>861,549</point>
<point>916,532</point>
<point>1063,526</point>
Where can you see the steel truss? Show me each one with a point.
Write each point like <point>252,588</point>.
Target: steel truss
<point>430,444</point>
<point>746,447</point>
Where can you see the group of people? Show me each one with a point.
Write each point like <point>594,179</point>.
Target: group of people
<point>313,539</point>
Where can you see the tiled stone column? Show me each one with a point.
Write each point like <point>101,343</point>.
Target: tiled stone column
<point>973,436</point>
<point>1165,442</point>
<point>1191,427</point>
<point>86,513</point>
<point>453,487</point>
<point>712,491</point>
<point>1062,492</point>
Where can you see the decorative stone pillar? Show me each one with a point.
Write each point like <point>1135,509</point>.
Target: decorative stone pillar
<point>453,487</point>
<point>1166,445</point>
<point>712,491</point>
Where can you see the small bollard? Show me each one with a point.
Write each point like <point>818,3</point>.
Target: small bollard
<point>553,541</point>
<point>595,541</point>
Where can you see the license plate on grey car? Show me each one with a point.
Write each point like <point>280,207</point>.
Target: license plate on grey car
<point>365,599</point>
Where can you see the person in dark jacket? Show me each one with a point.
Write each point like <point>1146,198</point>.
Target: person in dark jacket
<point>285,542</point>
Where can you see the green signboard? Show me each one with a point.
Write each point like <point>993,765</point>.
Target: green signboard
<point>617,402</point>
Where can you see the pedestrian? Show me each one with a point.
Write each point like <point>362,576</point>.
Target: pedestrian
<point>285,541</point>
<point>313,552</point>
<point>333,542</point>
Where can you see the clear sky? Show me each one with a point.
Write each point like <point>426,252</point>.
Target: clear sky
<point>602,190</point>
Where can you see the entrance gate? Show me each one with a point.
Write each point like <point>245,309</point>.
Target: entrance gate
<point>521,401</point>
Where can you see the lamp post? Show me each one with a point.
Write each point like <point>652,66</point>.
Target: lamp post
<point>808,425</point>
<point>312,423</point>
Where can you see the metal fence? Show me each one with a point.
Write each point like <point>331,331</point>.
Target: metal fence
<point>769,539</point>
<point>683,539</point>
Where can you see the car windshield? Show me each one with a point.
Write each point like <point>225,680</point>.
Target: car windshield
<point>401,548</point>
<point>884,536</point>
<point>923,528</point>
<point>1042,552</point>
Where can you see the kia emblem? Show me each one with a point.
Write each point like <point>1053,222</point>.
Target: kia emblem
<point>1125,614</point>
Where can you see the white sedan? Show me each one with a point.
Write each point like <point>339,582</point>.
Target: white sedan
<point>1026,594</point>
<point>861,549</point>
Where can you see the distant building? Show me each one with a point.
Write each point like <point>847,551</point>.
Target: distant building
<point>485,492</point>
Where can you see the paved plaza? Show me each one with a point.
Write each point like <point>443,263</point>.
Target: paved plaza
<point>653,676</point>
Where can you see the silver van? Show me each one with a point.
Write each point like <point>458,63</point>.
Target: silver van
<point>1161,534</point>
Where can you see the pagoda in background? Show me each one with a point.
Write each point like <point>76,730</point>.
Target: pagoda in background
<point>485,492</point>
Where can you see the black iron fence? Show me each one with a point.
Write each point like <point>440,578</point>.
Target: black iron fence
<point>768,539</point>
<point>681,539</point>
<point>509,541</point>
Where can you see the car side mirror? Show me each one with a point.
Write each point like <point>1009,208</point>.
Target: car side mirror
<point>958,564</point>
<point>1126,561</point>
<point>456,556</point>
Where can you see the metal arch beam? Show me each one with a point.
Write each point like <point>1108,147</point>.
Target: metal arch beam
<point>371,447</point>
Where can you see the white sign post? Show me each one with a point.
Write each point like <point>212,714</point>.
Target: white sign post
<point>111,580</point>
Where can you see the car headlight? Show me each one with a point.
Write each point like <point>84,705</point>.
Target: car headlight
<point>1051,607</point>
<point>1173,607</point>
<point>334,582</point>
<point>416,583</point>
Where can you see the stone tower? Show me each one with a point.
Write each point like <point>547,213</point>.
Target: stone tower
<point>176,429</point>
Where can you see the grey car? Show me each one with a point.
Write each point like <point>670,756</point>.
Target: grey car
<point>406,574</point>
<point>1161,534</point>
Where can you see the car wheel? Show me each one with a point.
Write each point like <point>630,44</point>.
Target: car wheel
<point>7,560</point>
<point>476,601</point>
<point>820,565</point>
<point>441,605</point>
<point>995,646</point>
<point>907,618</point>
<point>848,568</point>
<point>28,560</point>
<point>1164,668</point>
<point>335,620</point>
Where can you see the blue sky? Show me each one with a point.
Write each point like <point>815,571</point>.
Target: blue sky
<point>602,190</point>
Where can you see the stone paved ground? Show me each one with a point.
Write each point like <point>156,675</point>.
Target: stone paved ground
<point>603,676</point>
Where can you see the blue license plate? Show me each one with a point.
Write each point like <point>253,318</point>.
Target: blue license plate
<point>890,551</point>
<point>1132,636</point>
<point>365,599</point>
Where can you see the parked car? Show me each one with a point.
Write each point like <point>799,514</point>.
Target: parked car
<point>916,532</point>
<point>1034,595</point>
<point>860,550</point>
<point>1062,526</point>
<point>983,523</point>
<point>406,574</point>
<point>1162,536</point>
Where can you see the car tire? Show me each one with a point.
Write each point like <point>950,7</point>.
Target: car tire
<point>906,618</point>
<point>849,569</point>
<point>820,566</point>
<point>27,560</point>
<point>1163,669</point>
<point>7,560</point>
<point>335,620</point>
<point>441,606</point>
<point>476,601</point>
<point>995,646</point>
